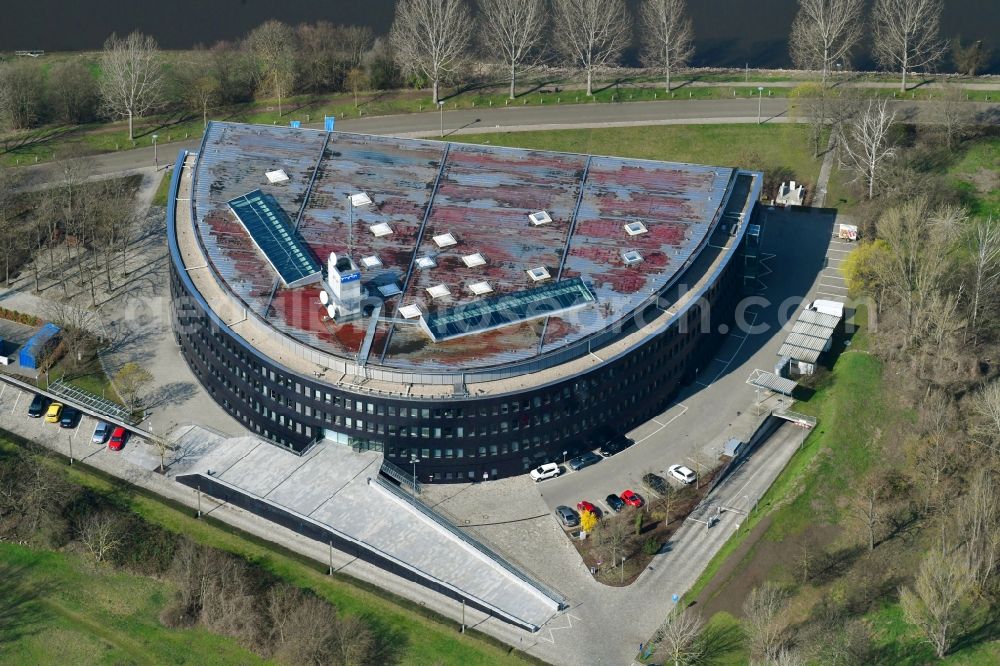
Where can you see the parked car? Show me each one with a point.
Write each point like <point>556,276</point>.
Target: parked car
<point>101,432</point>
<point>584,505</point>
<point>38,406</point>
<point>614,445</point>
<point>614,502</point>
<point>546,471</point>
<point>631,498</point>
<point>55,411</point>
<point>118,438</point>
<point>586,460</point>
<point>567,516</point>
<point>656,483</point>
<point>69,418</point>
<point>682,474</point>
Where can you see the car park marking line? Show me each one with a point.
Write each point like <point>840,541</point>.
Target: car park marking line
<point>826,293</point>
<point>684,409</point>
<point>736,353</point>
<point>16,400</point>
<point>569,625</point>
<point>832,286</point>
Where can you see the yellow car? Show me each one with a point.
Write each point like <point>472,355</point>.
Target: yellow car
<point>55,411</point>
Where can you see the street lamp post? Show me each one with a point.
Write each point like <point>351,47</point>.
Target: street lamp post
<point>413,487</point>
<point>156,162</point>
<point>760,101</point>
<point>441,108</point>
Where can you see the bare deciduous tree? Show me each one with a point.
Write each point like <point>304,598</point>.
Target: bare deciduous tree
<point>823,33</point>
<point>935,604</point>
<point>21,94</point>
<point>131,77</point>
<point>869,505</point>
<point>10,247</point>
<point>864,143</point>
<point>951,113</point>
<point>678,637</point>
<point>512,30</point>
<point>272,47</point>
<point>668,35</point>
<point>430,38</point>
<point>761,620</point>
<point>985,249</point>
<point>906,34</point>
<point>72,92</point>
<point>353,640</point>
<point>101,534</point>
<point>986,407</point>
<point>591,33</point>
<point>76,324</point>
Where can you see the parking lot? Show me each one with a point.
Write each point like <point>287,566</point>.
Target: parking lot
<point>14,403</point>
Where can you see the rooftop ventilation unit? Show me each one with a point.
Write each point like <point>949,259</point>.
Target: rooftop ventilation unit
<point>388,290</point>
<point>360,199</point>
<point>410,312</point>
<point>276,176</point>
<point>480,288</point>
<point>635,228</point>
<point>631,257</point>
<point>538,274</point>
<point>438,291</point>
<point>381,229</point>
<point>371,262</point>
<point>473,260</point>
<point>426,262</point>
<point>445,240</point>
<point>539,218</point>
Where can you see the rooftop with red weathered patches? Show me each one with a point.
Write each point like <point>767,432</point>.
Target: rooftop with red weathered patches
<point>482,196</point>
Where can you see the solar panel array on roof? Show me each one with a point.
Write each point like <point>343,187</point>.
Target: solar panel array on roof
<point>490,313</point>
<point>272,233</point>
<point>810,336</point>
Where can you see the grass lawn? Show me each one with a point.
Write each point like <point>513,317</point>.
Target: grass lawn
<point>160,196</point>
<point>770,146</point>
<point>421,636</point>
<point>977,175</point>
<point>60,608</point>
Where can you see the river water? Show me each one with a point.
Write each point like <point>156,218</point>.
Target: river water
<point>729,33</point>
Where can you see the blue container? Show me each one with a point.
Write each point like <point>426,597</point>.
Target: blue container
<point>295,124</point>
<point>328,122</point>
<point>38,346</point>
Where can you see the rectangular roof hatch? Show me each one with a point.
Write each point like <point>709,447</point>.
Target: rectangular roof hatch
<point>426,262</point>
<point>381,229</point>
<point>371,262</point>
<point>388,290</point>
<point>276,176</point>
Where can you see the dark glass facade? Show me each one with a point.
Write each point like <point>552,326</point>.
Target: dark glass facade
<point>455,440</point>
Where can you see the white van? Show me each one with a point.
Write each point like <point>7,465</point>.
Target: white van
<point>834,308</point>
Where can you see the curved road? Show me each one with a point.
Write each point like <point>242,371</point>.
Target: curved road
<point>514,119</point>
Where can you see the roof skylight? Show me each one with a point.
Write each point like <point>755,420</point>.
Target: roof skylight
<point>538,274</point>
<point>371,262</point>
<point>445,240</point>
<point>635,228</point>
<point>360,199</point>
<point>276,176</point>
<point>473,260</point>
<point>438,291</point>
<point>426,262</point>
<point>480,288</point>
<point>540,218</point>
<point>390,289</point>
<point>631,257</point>
<point>380,229</point>
<point>410,311</point>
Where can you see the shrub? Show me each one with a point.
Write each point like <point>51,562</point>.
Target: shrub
<point>651,546</point>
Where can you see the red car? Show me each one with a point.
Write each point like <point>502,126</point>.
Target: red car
<point>631,498</point>
<point>584,505</point>
<point>118,438</point>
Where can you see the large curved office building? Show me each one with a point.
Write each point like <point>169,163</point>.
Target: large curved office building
<point>478,309</point>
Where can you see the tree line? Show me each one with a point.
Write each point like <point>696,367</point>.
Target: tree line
<point>213,589</point>
<point>439,42</point>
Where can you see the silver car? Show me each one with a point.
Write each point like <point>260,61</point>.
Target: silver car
<point>101,432</point>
